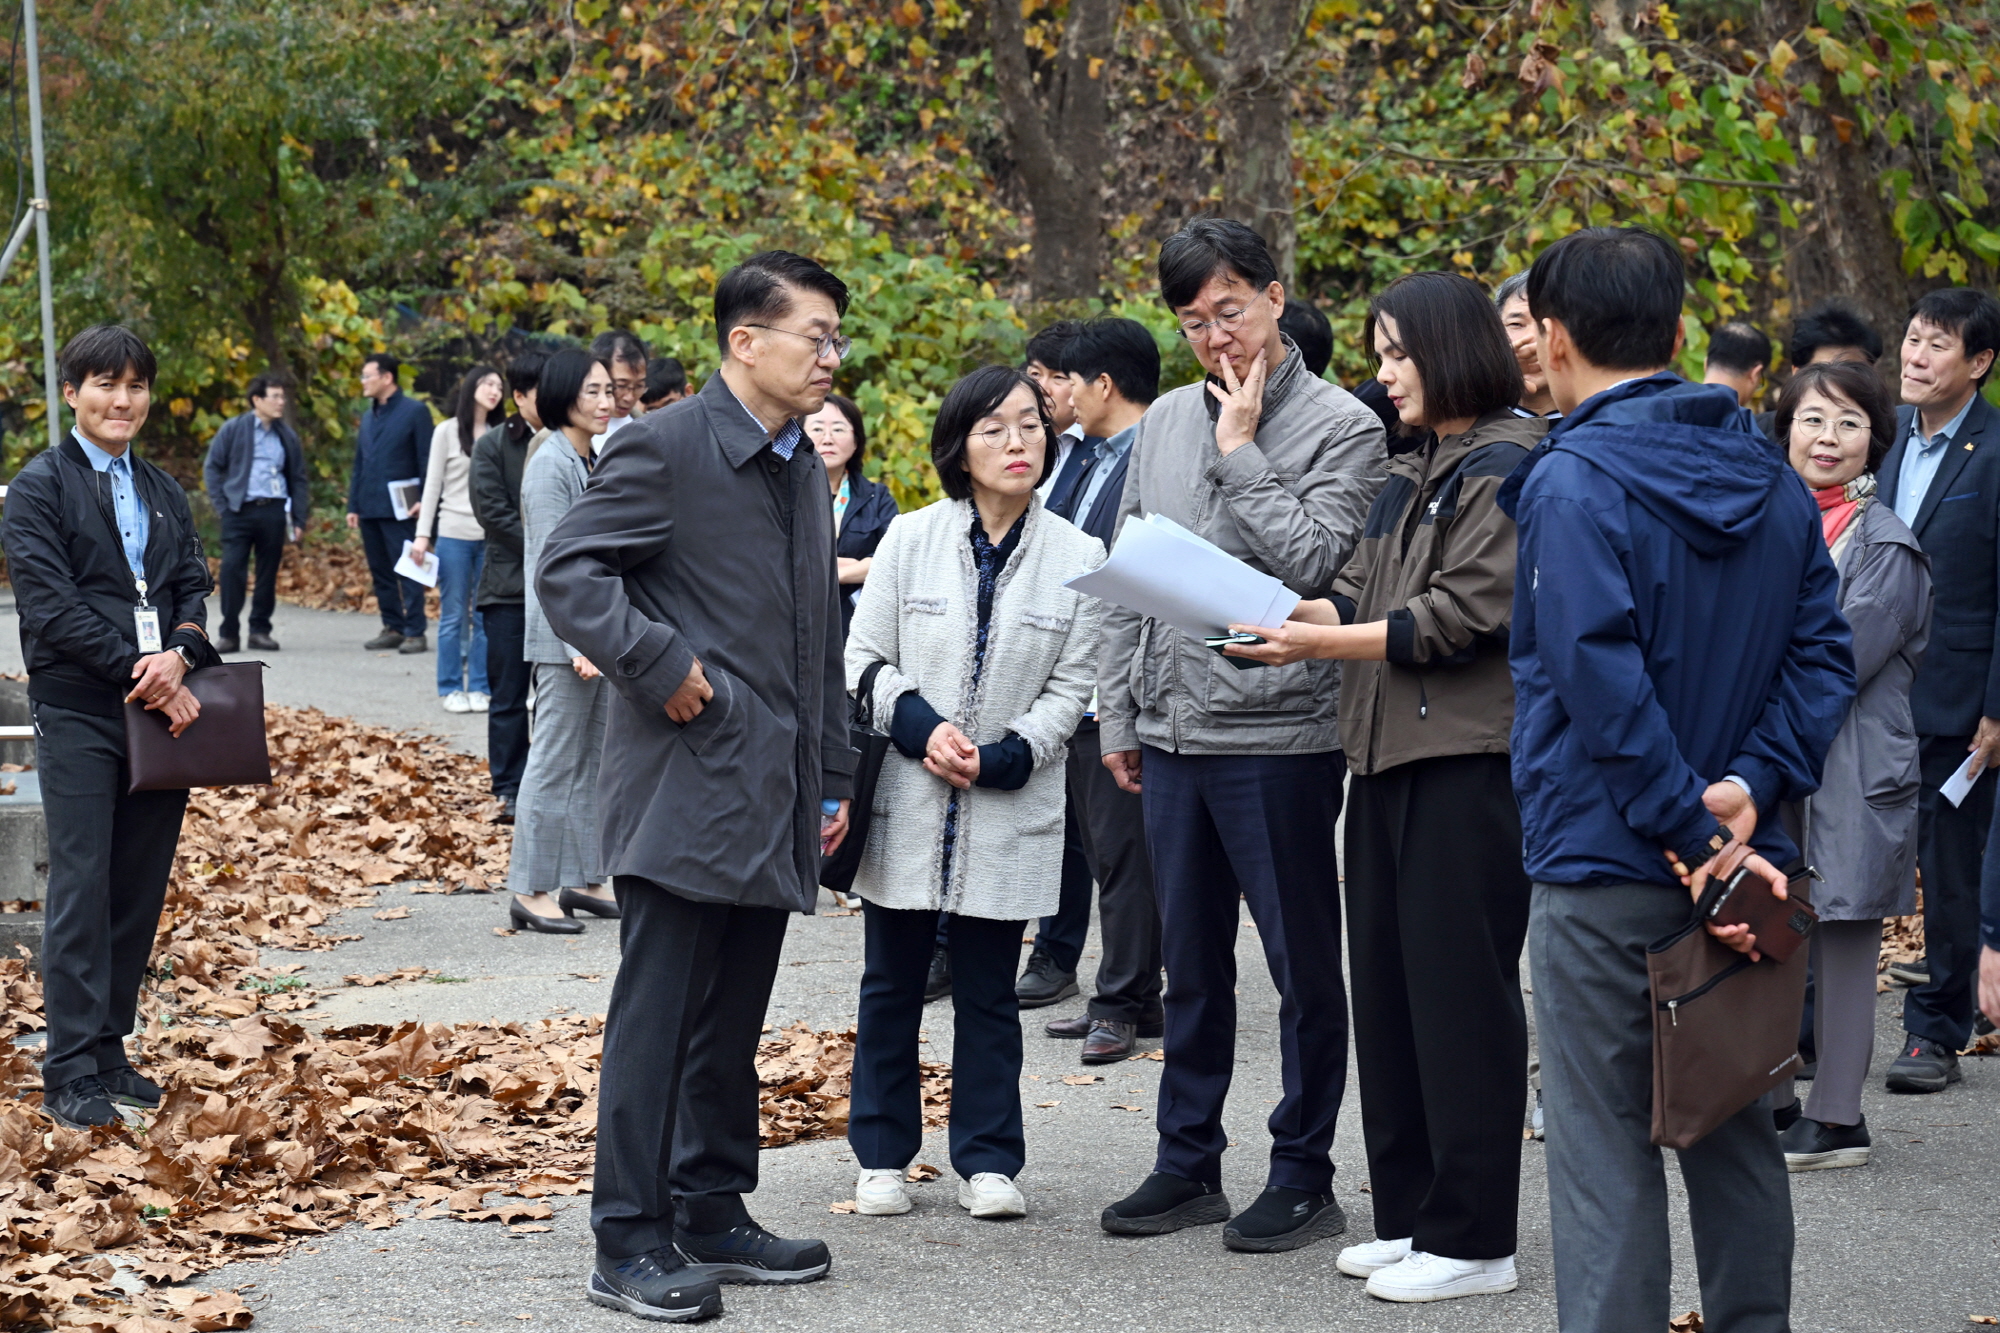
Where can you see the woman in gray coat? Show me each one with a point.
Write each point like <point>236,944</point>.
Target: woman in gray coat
<point>1860,829</point>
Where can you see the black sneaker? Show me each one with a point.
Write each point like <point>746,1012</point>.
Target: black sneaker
<point>1284,1219</point>
<point>656,1286</point>
<point>1784,1117</point>
<point>127,1087</point>
<point>1165,1203</point>
<point>384,641</point>
<point>1924,1066</point>
<point>1812,1146</point>
<point>1043,983</point>
<point>750,1255</point>
<point>938,984</point>
<point>81,1103</point>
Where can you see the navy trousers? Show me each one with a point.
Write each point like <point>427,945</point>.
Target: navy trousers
<point>401,600</point>
<point>885,1122</point>
<point>1259,828</point>
<point>1062,936</point>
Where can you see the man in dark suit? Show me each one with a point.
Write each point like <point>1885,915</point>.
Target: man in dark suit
<point>394,445</point>
<point>697,572</point>
<point>1942,477</point>
<point>255,476</point>
<point>498,459</point>
<point>1113,369</point>
<point>1044,366</point>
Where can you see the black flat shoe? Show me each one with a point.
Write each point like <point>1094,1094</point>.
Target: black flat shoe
<point>573,902</point>
<point>1284,1219</point>
<point>1165,1203</point>
<point>523,919</point>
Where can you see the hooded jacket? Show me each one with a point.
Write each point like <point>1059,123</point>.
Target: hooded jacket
<point>1676,621</point>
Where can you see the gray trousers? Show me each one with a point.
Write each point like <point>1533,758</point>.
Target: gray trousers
<point>555,812</point>
<point>1844,955</point>
<point>1607,1182</point>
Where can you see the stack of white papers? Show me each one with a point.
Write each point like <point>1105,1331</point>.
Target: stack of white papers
<point>1161,570</point>
<point>425,573</point>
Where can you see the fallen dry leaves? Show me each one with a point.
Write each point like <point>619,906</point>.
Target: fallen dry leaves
<point>329,571</point>
<point>805,1077</point>
<point>1687,1323</point>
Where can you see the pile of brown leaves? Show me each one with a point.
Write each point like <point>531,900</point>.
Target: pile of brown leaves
<point>805,1079</point>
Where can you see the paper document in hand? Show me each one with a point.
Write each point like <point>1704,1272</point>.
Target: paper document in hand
<point>1959,784</point>
<point>1161,570</point>
<point>426,573</point>
<point>405,496</point>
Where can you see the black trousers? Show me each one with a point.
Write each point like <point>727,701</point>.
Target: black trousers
<point>1113,826</point>
<point>259,527</point>
<point>401,600</point>
<point>885,1124</point>
<point>507,675</point>
<point>677,1102</point>
<point>109,858</point>
<point>1951,844</point>
<point>1437,913</point>
<point>1063,935</point>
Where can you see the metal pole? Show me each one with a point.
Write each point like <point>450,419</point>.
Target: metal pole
<point>41,212</point>
<point>14,243</point>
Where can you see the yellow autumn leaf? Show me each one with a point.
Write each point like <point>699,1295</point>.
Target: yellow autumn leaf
<point>1782,58</point>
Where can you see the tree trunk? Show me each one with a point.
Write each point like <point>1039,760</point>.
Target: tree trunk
<point>1060,147</point>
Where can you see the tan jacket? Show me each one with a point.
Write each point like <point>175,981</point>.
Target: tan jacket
<point>1437,562</point>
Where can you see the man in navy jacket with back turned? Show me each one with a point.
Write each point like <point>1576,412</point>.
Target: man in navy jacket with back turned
<point>394,444</point>
<point>1680,666</point>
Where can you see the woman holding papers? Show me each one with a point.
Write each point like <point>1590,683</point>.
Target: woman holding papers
<point>460,542</point>
<point>1437,901</point>
<point>982,663</point>
<point>554,869</point>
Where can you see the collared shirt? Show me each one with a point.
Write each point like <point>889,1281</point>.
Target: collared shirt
<point>1108,452</point>
<point>1920,462</point>
<point>1065,442</point>
<point>267,464</point>
<point>785,441</point>
<point>134,525</point>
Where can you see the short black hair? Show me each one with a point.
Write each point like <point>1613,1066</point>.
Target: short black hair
<point>1050,345</point>
<point>1210,247</point>
<point>1511,288</point>
<point>1855,382</point>
<point>980,395</point>
<point>1739,347</point>
<point>760,289</point>
<point>664,375</point>
<point>105,349</point>
<point>619,345</point>
<point>1831,325</point>
<point>1310,330</point>
<point>1449,328</point>
<point>561,384</point>
<point>524,372</point>
<point>1120,348</point>
<point>264,383</point>
<point>385,363</point>
<point>1618,290</point>
<point>847,407</point>
<point>1969,314</point>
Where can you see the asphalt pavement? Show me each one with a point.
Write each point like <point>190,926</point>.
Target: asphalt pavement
<point>1908,1244</point>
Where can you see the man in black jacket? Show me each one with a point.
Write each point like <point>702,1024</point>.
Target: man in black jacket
<point>109,581</point>
<point>394,444</point>
<point>497,461</point>
<point>256,481</point>
<point>1942,477</point>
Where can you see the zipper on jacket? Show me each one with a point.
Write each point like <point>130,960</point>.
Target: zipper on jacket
<point>1423,698</point>
<point>1673,1005</point>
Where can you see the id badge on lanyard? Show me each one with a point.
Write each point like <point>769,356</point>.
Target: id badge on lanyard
<point>146,619</point>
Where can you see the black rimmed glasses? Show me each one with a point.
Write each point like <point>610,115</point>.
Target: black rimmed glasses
<point>827,345</point>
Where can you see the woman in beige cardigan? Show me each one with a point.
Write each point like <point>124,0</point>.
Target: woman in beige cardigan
<point>446,521</point>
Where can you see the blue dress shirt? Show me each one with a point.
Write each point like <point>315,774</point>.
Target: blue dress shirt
<point>134,524</point>
<point>1921,460</point>
<point>1108,452</point>
<point>267,465</point>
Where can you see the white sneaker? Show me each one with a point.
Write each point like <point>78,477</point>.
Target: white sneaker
<point>480,702</point>
<point>1362,1260</point>
<point>880,1193</point>
<point>1432,1277</point>
<point>990,1194</point>
<point>456,702</point>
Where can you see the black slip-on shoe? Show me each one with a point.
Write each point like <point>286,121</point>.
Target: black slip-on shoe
<point>1284,1219</point>
<point>1042,983</point>
<point>384,641</point>
<point>938,984</point>
<point>1165,1203</point>
<point>1812,1146</point>
<point>572,901</point>
<point>1784,1117</point>
<point>751,1256</point>
<point>657,1286</point>
<point>523,919</point>
<point>126,1086</point>
<point>81,1103</point>
<point>1924,1066</point>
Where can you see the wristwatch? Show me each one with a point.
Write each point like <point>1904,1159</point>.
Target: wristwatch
<point>187,658</point>
<point>1694,858</point>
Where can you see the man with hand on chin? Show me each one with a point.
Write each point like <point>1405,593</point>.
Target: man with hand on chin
<point>1241,769</point>
<point>697,573</point>
<point>109,581</point>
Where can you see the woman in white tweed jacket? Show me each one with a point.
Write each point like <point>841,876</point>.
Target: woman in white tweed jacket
<point>988,665</point>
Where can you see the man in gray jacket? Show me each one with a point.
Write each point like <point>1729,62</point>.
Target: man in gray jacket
<point>696,572</point>
<point>1242,768</point>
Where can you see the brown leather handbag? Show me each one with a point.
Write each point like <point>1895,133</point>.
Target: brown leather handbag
<point>1725,1029</point>
<point>224,747</point>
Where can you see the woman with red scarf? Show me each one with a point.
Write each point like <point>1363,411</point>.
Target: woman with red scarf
<point>1860,829</point>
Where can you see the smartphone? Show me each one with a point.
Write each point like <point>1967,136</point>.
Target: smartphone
<point>1781,925</point>
<point>1217,642</point>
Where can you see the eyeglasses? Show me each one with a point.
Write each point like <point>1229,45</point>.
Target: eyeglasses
<point>1847,428</point>
<point>1197,330</point>
<point>827,345</point>
<point>995,437</point>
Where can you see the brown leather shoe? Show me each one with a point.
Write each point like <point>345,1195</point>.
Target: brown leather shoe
<point>1109,1041</point>
<point>1069,1029</point>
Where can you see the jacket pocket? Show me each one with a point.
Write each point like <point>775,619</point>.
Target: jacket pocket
<point>1272,689</point>
<point>928,606</point>
<point>700,731</point>
<point>1893,771</point>
<point>1967,638</point>
<point>1145,671</point>
<point>1054,624</point>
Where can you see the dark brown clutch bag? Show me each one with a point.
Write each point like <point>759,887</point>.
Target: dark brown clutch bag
<point>224,747</point>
